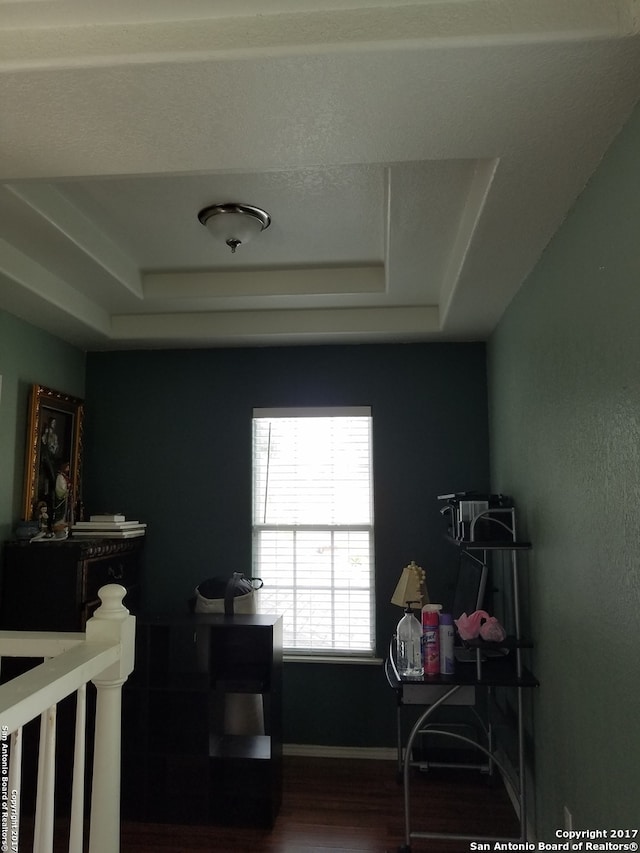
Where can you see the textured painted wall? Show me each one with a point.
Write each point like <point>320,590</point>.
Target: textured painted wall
<point>564,392</point>
<point>27,356</point>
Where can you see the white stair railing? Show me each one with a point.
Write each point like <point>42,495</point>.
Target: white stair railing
<point>103,654</point>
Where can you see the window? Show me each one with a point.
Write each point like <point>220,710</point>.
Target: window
<point>313,526</point>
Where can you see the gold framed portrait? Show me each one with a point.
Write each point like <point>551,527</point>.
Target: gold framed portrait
<point>53,464</point>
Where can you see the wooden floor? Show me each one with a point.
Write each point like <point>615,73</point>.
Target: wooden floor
<point>349,806</point>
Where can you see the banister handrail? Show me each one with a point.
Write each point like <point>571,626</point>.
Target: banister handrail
<point>104,654</point>
<point>25,697</point>
<point>37,644</point>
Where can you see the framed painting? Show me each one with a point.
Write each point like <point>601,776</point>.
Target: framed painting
<point>53,464</point>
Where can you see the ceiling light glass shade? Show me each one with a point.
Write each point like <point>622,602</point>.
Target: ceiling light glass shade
<point>234,224</point>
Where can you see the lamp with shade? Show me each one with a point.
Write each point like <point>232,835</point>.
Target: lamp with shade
<point>411,587</point>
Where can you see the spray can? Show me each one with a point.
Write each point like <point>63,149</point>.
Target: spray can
<point>447,663</point>
<point>431,639</point>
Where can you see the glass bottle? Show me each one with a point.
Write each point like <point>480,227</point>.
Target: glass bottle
<point>409,644</point>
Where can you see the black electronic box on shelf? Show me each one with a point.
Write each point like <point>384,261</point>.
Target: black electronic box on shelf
<point>477,517</point>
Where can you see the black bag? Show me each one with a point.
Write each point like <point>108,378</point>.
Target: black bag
<point>235,595</point>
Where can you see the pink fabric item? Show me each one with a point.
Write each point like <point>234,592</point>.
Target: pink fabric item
<point>492,631</point>
<point>469,626</point>
<point>480,624</point>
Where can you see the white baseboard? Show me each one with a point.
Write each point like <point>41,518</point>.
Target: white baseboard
<point>503,758</point>
<point>317,751</point>
<point>512,793</point>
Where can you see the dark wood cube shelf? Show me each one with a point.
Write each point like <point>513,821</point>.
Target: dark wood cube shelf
<point>185,734</point>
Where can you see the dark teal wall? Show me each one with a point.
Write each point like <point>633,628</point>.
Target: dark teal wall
<point>168,441</point>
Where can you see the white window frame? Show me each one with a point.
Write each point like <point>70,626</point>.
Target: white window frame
<point>363,591</point>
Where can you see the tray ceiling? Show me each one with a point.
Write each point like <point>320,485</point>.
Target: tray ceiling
<point>415,159</point>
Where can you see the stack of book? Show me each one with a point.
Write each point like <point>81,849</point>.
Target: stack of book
<point>110,526</point>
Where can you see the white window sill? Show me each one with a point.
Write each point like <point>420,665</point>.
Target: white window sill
<point>291,657</point>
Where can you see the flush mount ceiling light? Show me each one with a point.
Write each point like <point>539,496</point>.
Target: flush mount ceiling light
<point>234,224</point>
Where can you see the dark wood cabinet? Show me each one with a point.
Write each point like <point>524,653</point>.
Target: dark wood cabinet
<point>53,586</point>
<point>202,740</point>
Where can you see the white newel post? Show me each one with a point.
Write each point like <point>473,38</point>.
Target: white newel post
<point>110,623</point>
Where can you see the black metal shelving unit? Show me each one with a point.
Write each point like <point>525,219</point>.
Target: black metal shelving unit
<point>506,670</point>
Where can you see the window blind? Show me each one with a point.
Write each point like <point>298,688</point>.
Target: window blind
<point>313,526</point>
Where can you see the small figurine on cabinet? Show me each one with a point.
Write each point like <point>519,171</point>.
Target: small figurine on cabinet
<point>62,504</point>
<point>41,515</point>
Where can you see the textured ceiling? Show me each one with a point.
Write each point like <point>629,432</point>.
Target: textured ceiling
<point>415,159</point>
